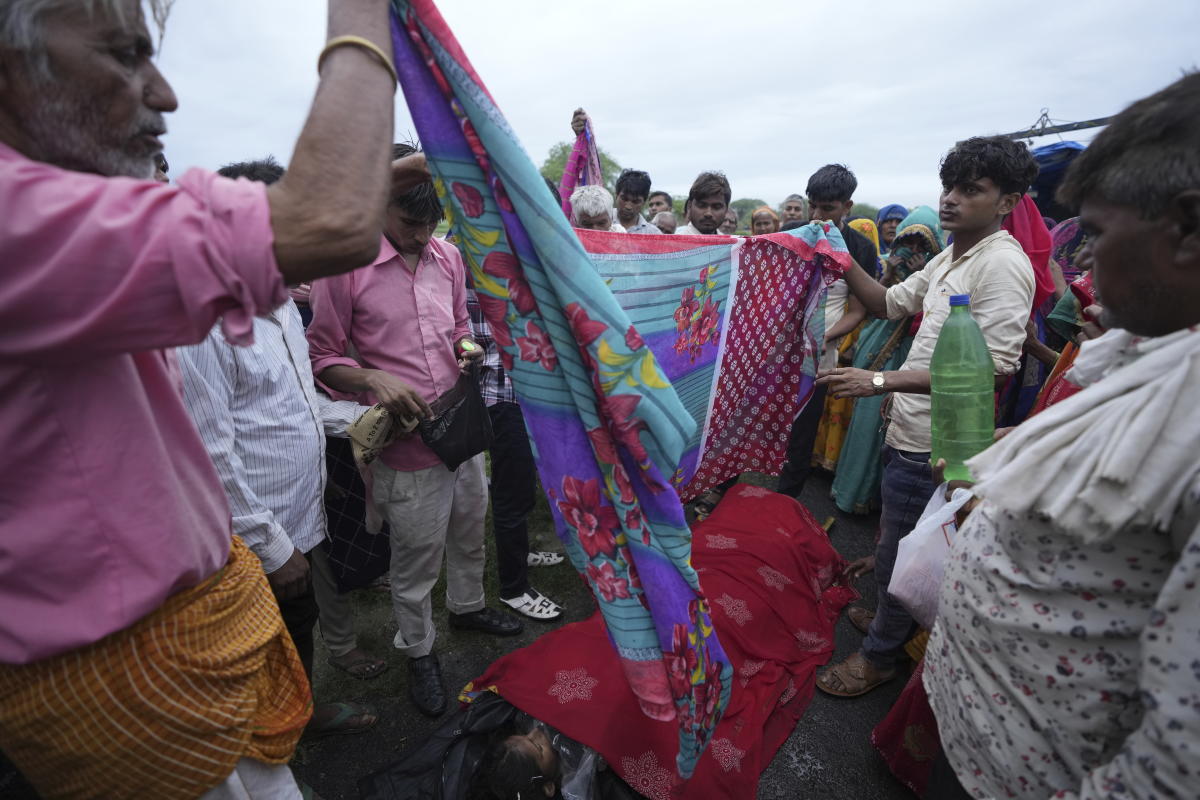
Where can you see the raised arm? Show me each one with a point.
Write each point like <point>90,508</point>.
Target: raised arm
<point>327,210</point>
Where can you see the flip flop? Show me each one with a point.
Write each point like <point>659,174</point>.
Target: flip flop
<point>535,605</point>
<point>339,725</point>
<point>544,558</point>
<point>365,667</point>
<point>851,678</point>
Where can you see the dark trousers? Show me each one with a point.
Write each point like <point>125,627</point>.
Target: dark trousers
<point>906,488</point>
<point>803,437</point>
<point>943,783</point>
<point>300,618</point>
<point>514,487</point>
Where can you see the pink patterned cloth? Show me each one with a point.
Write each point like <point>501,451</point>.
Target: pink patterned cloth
<point>583,167</point>
<point>753,408</point>
<point>109,503</point>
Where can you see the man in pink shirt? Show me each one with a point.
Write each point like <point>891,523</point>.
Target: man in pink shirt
<point>405,318</point>
<point>141,655</point>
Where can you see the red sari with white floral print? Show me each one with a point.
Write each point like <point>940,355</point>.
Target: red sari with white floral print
<point>769,571</point>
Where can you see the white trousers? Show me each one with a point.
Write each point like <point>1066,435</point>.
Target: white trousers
<point>434,514</point>
<point>336,610</point>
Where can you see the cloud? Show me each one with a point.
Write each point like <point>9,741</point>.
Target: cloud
<point>767,95</point>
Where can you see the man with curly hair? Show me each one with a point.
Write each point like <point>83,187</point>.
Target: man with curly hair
<point>983,179</point>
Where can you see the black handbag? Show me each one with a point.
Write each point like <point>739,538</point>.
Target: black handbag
<point>461,427</point>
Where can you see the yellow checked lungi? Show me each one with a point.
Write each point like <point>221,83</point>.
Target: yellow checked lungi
<point>166,707</point>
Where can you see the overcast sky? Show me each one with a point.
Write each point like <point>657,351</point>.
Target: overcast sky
<point>766,91</point>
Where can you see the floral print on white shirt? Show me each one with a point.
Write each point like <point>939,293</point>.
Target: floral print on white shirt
<point>1070,670</point>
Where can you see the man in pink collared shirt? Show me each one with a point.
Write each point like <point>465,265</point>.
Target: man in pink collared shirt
<point>405,317</point>
<point>114,532</point>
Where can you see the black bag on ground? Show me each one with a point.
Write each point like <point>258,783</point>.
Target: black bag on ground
<point>461,427</point>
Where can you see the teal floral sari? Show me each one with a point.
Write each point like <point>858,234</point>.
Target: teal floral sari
<point>882,346</point>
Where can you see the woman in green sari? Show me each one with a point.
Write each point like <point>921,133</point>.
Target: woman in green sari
<point>883,345</point>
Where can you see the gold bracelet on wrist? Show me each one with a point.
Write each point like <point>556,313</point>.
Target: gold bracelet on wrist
<point>365,44</point>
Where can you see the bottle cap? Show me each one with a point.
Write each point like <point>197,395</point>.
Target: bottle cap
<point>960,300</point>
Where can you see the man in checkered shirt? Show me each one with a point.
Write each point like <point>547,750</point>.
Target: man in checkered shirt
<point>513,481</point>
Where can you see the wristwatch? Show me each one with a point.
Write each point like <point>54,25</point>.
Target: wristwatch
<point>877,382</point>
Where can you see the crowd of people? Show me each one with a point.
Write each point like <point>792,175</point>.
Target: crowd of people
<point>184,362</point>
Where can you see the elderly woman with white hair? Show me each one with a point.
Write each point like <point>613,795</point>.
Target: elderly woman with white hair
<point>592,209</point>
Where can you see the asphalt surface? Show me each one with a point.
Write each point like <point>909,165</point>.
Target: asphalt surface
<point>828,756</point>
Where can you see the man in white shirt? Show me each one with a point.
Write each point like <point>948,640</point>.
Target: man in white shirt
<point>706,203</point>
<point>983,179</point>
<point>264,424</point>
<point>830,193</point>
<point>632,187</point>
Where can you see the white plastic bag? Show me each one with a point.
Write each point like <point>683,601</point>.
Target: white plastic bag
<point>921,556</point>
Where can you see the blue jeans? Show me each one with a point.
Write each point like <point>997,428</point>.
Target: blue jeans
<point>906,488</point>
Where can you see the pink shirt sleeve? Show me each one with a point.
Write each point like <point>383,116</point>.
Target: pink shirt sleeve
<point>97,266</point>
<point>332,303</point>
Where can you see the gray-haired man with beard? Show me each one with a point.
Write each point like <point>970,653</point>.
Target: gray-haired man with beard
<point>141,651</point>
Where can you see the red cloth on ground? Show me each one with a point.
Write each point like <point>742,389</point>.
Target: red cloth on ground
<point>769,570</point>
<point>1026,225</point>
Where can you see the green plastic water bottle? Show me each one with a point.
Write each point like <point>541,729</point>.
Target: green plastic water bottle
<point>962,388</point>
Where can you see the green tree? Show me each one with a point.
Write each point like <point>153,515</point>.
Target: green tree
<point>864,210</point>
<point>744,206</point>
<point>556,162</point>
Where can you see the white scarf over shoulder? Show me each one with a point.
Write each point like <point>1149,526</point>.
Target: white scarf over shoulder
<point>1119,455</point>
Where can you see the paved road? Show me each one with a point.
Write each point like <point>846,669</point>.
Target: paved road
<point>829,755</point>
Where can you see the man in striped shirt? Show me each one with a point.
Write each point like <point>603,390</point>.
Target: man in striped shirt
<point>264,424</point>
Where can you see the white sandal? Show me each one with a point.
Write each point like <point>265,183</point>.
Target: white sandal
<point>535,605</point>
<point>544,558</point>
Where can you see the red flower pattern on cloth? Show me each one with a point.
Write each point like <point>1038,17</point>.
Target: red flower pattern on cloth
<point>681,661</point>
<point>697,324</point>
<point>586,329</point>
<point>633,339</point>
<point>494,311</point>
<point>625,426</point>
<point>469,198</point>
<point>505,265</point>
<point>605,449</point>
<point>727,755</point>
<point>605,579</point>
<point>583,510</point>
<point>646,777</point>
<point>572,684</point>
<point>761,369</point>
<point>624,486</point>
<point>536,346</point>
